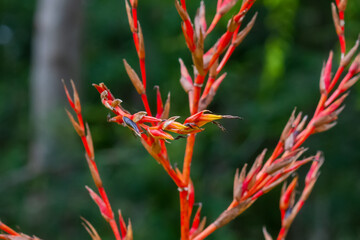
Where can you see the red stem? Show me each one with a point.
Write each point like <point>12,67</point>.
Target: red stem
<point>209,230</point>
<point>183,4</point>
<point>320,105</point>
<point>143,71</point>
<point>282,234</point>
<point>8,230</point>
<point>188,157</point>
<point>136,41</point>
<point>135,19</point>
<point>146,104</point>
<point>336,78</point>
<point>184,216</point>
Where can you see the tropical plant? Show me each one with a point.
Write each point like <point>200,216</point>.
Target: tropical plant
<point>156,129</point>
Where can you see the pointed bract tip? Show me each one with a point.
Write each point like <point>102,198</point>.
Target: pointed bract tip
<point>267,236</point>
<point>90,229</point>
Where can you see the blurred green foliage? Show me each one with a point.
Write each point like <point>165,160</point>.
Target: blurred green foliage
<point>276,68</point>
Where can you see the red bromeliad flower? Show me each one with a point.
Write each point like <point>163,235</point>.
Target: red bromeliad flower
<point>154,131</point>
<point>156,127</point>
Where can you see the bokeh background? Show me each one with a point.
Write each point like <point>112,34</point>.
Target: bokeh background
<point>277,67</point>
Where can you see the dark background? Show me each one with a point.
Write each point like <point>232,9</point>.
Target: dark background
<point>276,68</point>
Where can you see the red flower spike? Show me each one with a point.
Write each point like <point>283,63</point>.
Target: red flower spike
<point>101,204</point>
<point>288,214</point>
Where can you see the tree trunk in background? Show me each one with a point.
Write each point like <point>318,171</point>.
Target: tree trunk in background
<point>55,55</point>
